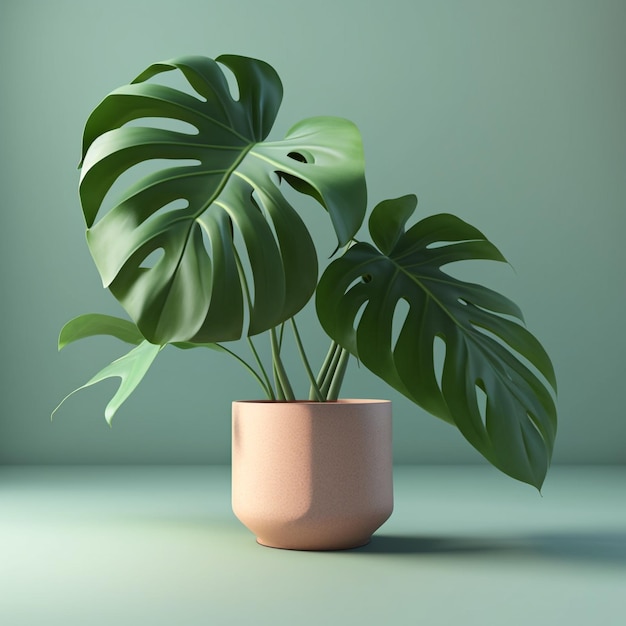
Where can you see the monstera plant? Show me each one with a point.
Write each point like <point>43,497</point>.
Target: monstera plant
<point>192,230</point>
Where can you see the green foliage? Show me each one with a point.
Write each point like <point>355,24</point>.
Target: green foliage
<point>227,179</point>
<point>92,324</point>
<point>356,302</point>
<point>203,247</point>
<point>130,368</point>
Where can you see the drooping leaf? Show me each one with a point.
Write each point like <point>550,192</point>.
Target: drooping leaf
<point>131,368</point>
<point>92,324</point>
<point>488,351</point>
<point>185,243</point>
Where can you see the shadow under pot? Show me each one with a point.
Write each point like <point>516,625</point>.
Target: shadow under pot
<point>312,475</point>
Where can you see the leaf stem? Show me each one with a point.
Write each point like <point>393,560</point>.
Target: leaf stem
<point>317,394</point>
<point>267,389</point>
<point>218,347</point>
<point>280,393</point>
<point>269,392</point>
<point>327,377</point>
<point>326,364</point>
<point>267,386</point>
<point>338,375</point>
<point>279,369</point>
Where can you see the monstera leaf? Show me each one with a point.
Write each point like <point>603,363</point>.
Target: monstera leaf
<point>488,352</point>
<point>204,246</point>
<point>132,367</point>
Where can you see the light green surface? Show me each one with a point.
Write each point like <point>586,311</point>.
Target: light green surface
<point>160,546</point>
<point>510,114</point>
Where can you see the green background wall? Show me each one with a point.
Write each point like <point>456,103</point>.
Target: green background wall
<point>510,114</point>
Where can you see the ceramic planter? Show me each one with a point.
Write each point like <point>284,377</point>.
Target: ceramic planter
<point>312,475</point>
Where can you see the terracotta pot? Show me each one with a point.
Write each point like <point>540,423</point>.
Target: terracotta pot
<point>312,475</point>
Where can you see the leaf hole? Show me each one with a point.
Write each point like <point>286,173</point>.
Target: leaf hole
<point>175,205</point>
<point>246,276</point>
<point>275,178</point>
<point>301,186</point>
<point>503,344</point>
<point>434,245</point>
<point>175,79</point>
<point>524,362</point>
<point>231,80</point>
<point>359,315</point>
<point>152,259</point>
<point>481,401</point>
<point>354,283</point>
<point>134,175</point>
<point>439,358</point>
<point>534,423</point>
<point>298,156</point>
<point>400,314</point>
<point>206,240</point>
<point>164,123</point>
<point>256,200</point>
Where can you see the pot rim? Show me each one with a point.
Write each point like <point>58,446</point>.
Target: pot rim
<point>317,402</point>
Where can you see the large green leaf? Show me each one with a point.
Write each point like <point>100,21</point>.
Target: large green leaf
<point>488,352</point>
<point>212,205</point>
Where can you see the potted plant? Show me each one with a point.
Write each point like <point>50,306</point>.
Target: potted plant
<point>203,247</point>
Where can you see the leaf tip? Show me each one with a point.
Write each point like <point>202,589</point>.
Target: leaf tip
<point>109,412</point>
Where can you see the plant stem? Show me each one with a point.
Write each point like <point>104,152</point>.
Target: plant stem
<point>268,383</point>
<point>282,380</point>
<point>330,370</point>
<point>321,377</point>
<point>265,385</point>
<point>316,395</point>
<point>244,283</point>
<point>338,375</point>
<point>280,393</point>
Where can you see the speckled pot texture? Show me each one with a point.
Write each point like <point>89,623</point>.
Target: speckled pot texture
<point>312,475</point>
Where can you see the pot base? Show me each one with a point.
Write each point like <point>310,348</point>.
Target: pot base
<point>351,546</point>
